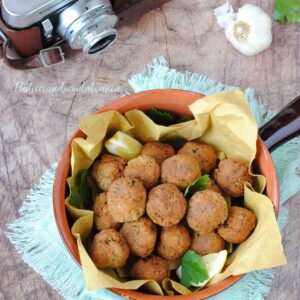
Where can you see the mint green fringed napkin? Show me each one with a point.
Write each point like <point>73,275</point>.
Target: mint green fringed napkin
<point>35,234</point>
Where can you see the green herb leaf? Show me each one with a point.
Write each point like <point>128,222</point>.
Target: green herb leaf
<point>199,184</point>
<point>160,117</point>
<point>192,269</point>
<point>286,10</point>
<point>165,118</point>
<point>184,119</point>
<point>81,194</point>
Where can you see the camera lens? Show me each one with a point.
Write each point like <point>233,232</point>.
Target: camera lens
<point>102,44</point>
<point>88,25</point>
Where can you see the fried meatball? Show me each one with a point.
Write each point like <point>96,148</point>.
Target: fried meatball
<point>144,168</point>
<point>105,173</point>
<point>174,242</point>
<point>113,158</point>
<point>166,205</point>
<point>206,211</point>
<point>231,176</point>
<point>151,267</point>
<point>180,169</point>
<point>206,243</point>
<point>102,218</point>
<point>140,236</point>
<point>203,153</point>
<point>238,226</point>
<point>157,150</point>
<point>126,199</point>
<point>109,249</point>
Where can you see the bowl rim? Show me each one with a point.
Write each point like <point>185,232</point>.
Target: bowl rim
<point>150,98</point>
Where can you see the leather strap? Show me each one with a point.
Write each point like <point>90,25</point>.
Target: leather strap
<point>45,58</point>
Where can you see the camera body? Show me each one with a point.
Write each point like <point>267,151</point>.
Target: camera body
<point>30,27</point>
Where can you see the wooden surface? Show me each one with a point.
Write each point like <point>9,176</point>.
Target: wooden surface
<point>35,127</point>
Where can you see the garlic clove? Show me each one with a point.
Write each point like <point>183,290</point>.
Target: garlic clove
<point>261,41</point>
<point>253,15</point>
<point>237,39</point>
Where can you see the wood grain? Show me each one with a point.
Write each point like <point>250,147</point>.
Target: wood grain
<point>35,127</point>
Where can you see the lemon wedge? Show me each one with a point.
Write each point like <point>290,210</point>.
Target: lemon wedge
<point>214,264</point>
<point>123,145</point>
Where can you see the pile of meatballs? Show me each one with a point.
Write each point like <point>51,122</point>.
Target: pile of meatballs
<point>142,212</point>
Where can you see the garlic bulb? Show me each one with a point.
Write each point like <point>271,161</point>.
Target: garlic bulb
<point>248,30</point>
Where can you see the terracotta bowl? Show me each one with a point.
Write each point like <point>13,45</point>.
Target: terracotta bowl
<point>176,101</point>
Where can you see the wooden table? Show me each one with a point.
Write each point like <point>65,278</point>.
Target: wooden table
<point>35,127</point>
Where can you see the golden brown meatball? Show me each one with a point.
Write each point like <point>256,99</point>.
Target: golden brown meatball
<point>140,236</point>
<point>206,243</point>
<point>204,154</point>
<point>105,173</point>
<point>144,168</point>
<point>166,205</point>
<point>126,199</point>
<point>157,150</point>
<point>231,176</point>
<point>174,242</point>
<point>206,211</point>
<point>238,226</point>
<point>151,267</point>
<point>109,249</point>
<point>113,158</point>
<point>102,218</point>
<point>180,169</point>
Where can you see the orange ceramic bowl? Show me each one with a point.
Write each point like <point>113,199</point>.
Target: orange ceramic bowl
<point>176,101</point>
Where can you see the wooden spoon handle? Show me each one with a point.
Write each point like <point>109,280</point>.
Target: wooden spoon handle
<point>283,126</point>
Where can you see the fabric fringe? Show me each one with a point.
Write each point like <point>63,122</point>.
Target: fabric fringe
<point>35,235</point>
<point>36,238</point>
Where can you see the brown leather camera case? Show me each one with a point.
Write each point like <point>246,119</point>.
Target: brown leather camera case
<point>22,48</point>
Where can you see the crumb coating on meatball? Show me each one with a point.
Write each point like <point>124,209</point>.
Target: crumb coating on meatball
<point>206,243</point>
<point>102,217</point>
<point>231,176</point>
<point>109,249</point>
<point>180,169</point>
<point>204,154</point>
<point>105,173</point>
<point>113,158</point>
<point>206,211</point>
<point>126,199</point>
<point>238,226</point>
<point>140,236</point>
<point>166,205</point>
<point>144,168</point>
<point>158,151</point>
<point>151,267</point>
<point>173,242</point>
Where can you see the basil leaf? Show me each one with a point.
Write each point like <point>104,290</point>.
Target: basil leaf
<point>192,269</point>
<point>286,11</point>
<point>81,193</point>
<point>165,118</point>
<point>199,184</point>
<point>160,117</point>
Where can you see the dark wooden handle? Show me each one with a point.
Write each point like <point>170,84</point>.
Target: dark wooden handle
<point>283,126</point>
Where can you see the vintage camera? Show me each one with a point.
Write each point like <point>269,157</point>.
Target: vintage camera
<point>84,24</point>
